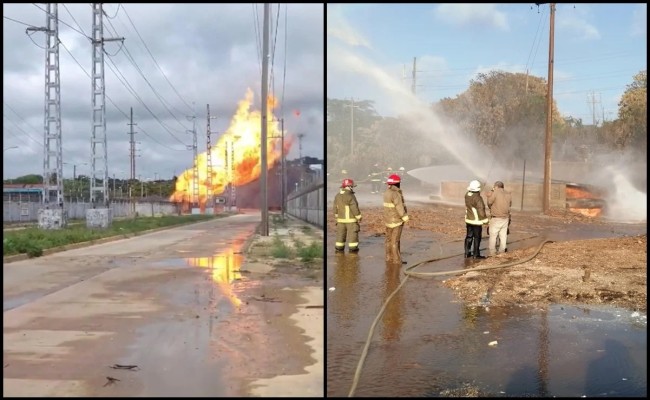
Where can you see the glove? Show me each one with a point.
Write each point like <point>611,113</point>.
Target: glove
<point>405,218</point>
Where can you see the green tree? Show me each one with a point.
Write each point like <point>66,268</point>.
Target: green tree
<point>632,127</point>
<point>339,131</point>
<point>504,110</point>
<point>31,179</point>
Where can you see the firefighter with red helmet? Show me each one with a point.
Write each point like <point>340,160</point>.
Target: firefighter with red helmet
<point>395,215</point>
<point>348,216</point>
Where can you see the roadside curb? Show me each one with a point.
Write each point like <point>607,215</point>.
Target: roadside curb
<point>47,252</point>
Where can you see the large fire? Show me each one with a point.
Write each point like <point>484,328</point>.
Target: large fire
<point>243,138</point>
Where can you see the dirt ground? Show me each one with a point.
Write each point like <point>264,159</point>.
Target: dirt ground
<point>611,271</point>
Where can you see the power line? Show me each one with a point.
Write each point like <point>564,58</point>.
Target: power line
<point>75,21</point>
<point>26,123</point>
<point>22,130</point>
<point>284,72</point>
<point>63,22</point>
<point>134,93</point>
<point>275,39</point>
<point>15,20</point>
<point>112,102</point>
<point>154,59</point>
<point>134,63</point>
<point>256,24</point>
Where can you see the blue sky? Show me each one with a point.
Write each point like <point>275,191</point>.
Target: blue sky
<point>598,48</point>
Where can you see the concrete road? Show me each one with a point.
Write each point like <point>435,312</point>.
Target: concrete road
<point>155,315</point>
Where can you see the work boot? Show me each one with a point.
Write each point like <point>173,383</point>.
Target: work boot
<point>468,247</point>
<point>353,249</point>
<point>339,249</point>
<point>477,250</point>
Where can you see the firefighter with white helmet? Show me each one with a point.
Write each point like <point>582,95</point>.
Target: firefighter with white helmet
<point>395,215</point>
<point>475,218</point>
<point>347,216</point>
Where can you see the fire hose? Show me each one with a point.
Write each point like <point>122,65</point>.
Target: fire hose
<point>408,272</point>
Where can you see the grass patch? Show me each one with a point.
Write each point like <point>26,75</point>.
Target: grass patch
<point>311,252</point>
<point>280,249</point>
<point>33,241</point>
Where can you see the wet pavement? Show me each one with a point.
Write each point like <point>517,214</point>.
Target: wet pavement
<point>178,306</point>
<point>427,343</point>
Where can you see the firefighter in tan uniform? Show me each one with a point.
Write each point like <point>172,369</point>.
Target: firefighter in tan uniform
<point>395,215</point>
<point>347,215</point>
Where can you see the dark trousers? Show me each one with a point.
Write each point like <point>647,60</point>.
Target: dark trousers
<point>393,253</point>
<point>473,240</point>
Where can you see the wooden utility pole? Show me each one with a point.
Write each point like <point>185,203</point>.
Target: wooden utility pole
<point>549,118</point>
<point>264,228</point>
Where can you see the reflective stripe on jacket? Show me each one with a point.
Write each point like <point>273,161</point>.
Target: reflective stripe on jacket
<point>475,209</point>
<point>394,208</point>
<point>346,207</point>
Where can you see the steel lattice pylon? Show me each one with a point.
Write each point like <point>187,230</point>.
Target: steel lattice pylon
<point>208,201</point>
<point>98,139</point>
<point>53,148</point>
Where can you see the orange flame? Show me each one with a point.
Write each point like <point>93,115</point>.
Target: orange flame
<point>236,157</point>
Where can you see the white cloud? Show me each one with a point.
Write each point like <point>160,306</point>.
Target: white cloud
<point>480,15</point>
<point>640,21</point>
<point>576,24</point>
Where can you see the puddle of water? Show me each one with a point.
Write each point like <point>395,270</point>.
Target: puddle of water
<point>13,302</point>
<point>427,343</point>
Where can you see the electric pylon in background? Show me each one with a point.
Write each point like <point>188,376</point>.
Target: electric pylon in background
<point>52,140</point>
<point>194,200</point>
<point>208,202</point>
<point>99,194</point>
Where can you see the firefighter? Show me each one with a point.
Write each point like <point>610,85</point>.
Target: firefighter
<point>395,215</point>
<point>347,216</point>
<point>375,179</point>
<point>475,218</point>
<point>402,173</point>
<point>387,173</point>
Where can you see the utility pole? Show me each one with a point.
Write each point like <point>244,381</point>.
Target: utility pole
<point>413,84</point>
<point>549,117</point>
<point>209,162</point>
<point>132,156</point>
<point>98,139</point>
<point>264,228</point>
<point>52,139</point>
<point>283,177</point>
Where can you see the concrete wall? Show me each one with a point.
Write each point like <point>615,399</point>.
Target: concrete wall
<point>308,204</point>
<point>51,219</point>
<point>454,192</point>
<point>28,212</point>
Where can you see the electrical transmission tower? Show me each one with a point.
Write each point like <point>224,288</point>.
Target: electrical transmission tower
<point>195,166</point>
<point>209,161</point>
<point>98,149</point>
<point>52,146</point>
